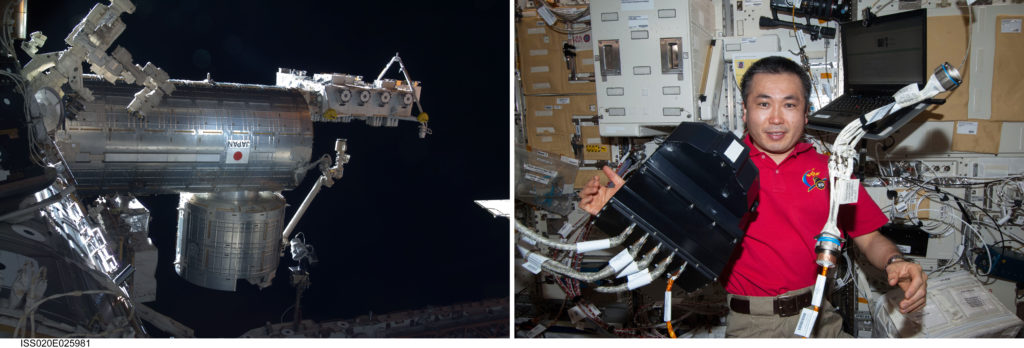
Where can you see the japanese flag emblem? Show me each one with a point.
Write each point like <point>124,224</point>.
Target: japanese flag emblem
<point>237,152</point>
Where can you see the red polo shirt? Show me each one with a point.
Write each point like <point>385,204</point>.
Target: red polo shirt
<point>777,255</point>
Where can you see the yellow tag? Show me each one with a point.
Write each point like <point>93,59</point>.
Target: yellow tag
<point>826,75</point>
<point>739,67</point>
<point>330,114</point>
<point>597,148</point>
<point>423,117</point>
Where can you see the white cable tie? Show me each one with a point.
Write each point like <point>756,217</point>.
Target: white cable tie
<point>621,260</point>
<point>534,262</point>
<point>592,245</point>
<point>576,314</point>
<point>529,240</point>
<point>565,230</point>
<point>532,267</point>
<point>537,258</point>
<point>632,268</point>
<point>819,289</point>
<point>537,330</point>
<point>668,306</point>
<point>546,14</point>
<point>638,279</point>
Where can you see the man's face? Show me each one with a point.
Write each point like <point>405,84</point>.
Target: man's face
<point>775,113</point>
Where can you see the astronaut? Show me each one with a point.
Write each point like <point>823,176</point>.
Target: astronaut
<point>771,277</point>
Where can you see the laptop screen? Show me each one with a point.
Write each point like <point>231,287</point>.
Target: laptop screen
<point>888,54</point>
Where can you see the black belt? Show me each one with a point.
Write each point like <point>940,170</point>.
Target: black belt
<point>781,306</point>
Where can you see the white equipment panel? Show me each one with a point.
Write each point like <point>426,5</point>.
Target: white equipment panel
<point>651,57</point>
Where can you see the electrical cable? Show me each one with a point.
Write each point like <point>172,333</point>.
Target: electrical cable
<point>944,214</point>
<point>589,277</point>
<point>922,185</point>
<point>578,247</point>
<point>840,166</point>
<point>568,18</point>
<point>5,32</point>
<point>571,15</point>
<point>976,233</point>
<point>970,20</point>
<point>668,300</point>
<point>659,269</point>
<point>29,312</point>
<point>958,200</point>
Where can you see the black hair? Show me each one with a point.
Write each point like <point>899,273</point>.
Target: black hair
<point>776,65</point>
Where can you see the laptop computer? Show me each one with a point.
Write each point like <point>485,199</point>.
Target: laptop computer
<point>878,60</point>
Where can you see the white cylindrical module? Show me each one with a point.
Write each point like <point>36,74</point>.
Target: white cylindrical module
<point>205,137</point>
<point>227,236</point>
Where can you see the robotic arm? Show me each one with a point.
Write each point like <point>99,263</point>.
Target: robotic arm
<point>844,190</point>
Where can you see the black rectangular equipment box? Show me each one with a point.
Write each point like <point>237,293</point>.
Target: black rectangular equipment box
<point>696,194</point>
<point>910,239</point>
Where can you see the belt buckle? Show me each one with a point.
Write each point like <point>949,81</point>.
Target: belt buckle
<point>786,306</point>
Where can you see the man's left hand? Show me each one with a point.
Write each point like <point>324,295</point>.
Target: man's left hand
<point>911,278</point>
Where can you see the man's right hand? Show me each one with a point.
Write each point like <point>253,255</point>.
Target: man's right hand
<point>594,195</point>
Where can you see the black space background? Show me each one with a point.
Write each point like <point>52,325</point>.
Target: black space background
<point>400,231</point>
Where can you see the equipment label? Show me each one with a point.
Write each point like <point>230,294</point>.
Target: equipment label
<point>847,190</point>
<point>238,151</point>
<point>734,151</point>
<point>636,5</point>
<point>806,323</point>
<point>819,289</point>
<point>1011,25</point>
<point>638,22</point>
<point>538,179</point>
<point>537,330</point>
<point>547,172</point>
<point>597,148</point>
<point>971,300</point>
<point>565,230</point>
<point>577,313</point>
<point>966,127</point>
<point>582,43</point>
<point>571,161</point>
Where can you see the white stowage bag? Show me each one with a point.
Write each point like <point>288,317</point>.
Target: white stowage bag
<point>958,306</point>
